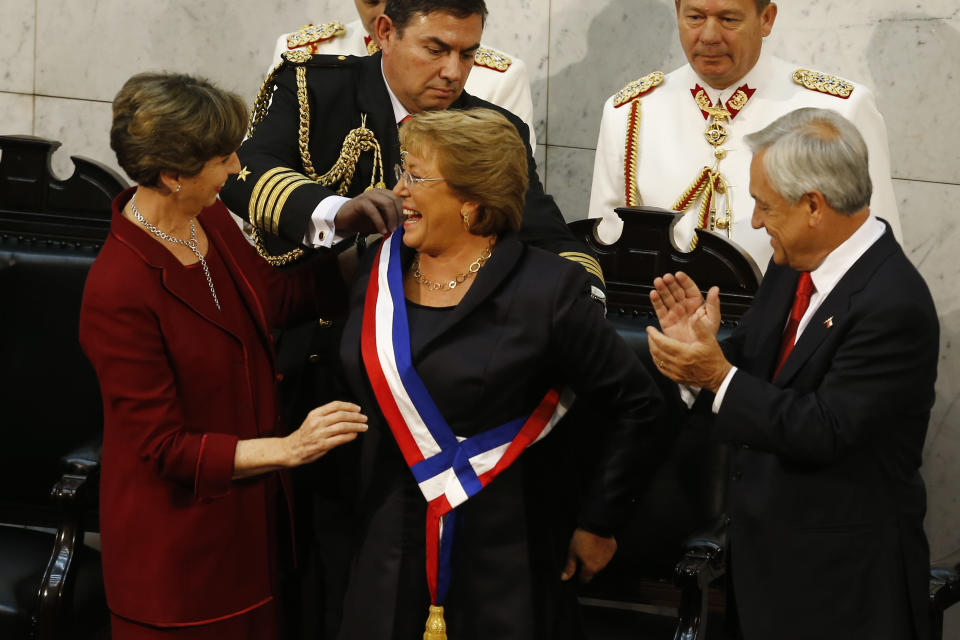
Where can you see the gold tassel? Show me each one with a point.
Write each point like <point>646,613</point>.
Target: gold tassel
<point>436,627</point>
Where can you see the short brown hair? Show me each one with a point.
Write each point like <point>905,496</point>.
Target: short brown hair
<point>482,158</point>
<point>173,122</point>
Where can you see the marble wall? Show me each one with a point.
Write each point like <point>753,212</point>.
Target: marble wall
<point>61,63</point>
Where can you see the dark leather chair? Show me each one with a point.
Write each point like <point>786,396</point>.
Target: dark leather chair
<point>51,420</point>
<point>672,551</point>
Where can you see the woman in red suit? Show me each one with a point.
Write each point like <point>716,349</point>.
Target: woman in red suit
<point>176,319</point>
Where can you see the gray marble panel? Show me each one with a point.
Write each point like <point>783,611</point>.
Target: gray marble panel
<point>521,28</point>
<point>17,110</point>
<point>91,48</point>
<point>83,128</point>
<point>816,14</point>
<point>915,92</point>
<point>931,237</point>
<point>569,172</point>
<point>17,43</point>
<point>597,48</point>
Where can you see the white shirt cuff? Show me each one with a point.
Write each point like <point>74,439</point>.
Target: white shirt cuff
<point>321,231</point>
<point>722,391</point>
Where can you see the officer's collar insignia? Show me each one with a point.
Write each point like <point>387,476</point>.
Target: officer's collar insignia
<point>638,88</point>
<point>371,45</point>
<point>730,109</point>
<point>491,59</point>
<point>824,83</point>
<point>310,35</point>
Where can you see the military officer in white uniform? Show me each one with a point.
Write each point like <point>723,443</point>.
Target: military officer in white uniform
<point>496,77</point>
<point>676,141</point>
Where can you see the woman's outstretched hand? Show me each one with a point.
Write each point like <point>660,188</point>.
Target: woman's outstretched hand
<point>325,428</point>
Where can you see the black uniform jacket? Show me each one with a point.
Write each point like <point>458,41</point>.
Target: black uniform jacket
<point>345,91</point>
<point>526,323</point>
<point>826,500</point>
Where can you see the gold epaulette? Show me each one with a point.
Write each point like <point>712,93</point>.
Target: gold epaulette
<point>638,88</point>
<point>492,59</point>
<point>314,34</point>
<point>823,82</point>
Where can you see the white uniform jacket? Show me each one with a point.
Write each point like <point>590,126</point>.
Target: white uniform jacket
<point>496,77</point>
<point>672,149</point>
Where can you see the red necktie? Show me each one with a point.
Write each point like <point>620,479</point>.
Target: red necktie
<point>801,300</point>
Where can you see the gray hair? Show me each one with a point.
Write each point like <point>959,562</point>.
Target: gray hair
<point>815,150</point>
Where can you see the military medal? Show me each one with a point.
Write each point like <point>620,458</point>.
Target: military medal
<point>709,181</point>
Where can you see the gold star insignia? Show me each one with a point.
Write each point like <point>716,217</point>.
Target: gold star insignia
<point>243,174</point>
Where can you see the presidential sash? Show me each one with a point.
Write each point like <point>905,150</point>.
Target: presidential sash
<point>449,470</point>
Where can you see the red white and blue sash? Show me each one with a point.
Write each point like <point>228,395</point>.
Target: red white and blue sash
<point>449,470</point>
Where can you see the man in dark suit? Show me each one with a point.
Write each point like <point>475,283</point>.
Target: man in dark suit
<point>825,389</point>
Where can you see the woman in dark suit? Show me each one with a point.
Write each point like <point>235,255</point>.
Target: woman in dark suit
<point>461,337</point>
<point>176,319</point>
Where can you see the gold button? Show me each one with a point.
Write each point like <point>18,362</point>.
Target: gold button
<point>341,57</point>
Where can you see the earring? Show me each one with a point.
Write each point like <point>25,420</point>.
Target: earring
<point>466,221</point>
<point>178,187</point>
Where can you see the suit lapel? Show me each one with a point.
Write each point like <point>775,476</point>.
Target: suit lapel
<point>239,276</point>
<point>373,100</point>
<point>833,309</point>
<point>176,279</point>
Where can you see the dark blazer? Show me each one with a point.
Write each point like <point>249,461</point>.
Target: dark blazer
<point>526,323</point>
<point>343,91</point>
<point>826,500</point>
<point>182,542</point>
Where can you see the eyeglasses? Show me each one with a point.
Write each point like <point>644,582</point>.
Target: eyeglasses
<point>409,179</point>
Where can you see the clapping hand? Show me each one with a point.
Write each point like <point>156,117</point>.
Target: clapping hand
<point>686,348</point>
<point>676,300</point>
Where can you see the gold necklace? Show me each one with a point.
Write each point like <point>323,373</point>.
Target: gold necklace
<point>459,279</point>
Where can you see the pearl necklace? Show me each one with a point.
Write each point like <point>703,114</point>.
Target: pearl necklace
<point>191,244</point>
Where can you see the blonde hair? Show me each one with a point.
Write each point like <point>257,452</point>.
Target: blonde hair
<point>173,122</point>
<point>482,158</point>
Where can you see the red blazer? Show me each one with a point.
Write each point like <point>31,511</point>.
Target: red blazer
<point>182,543</point>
